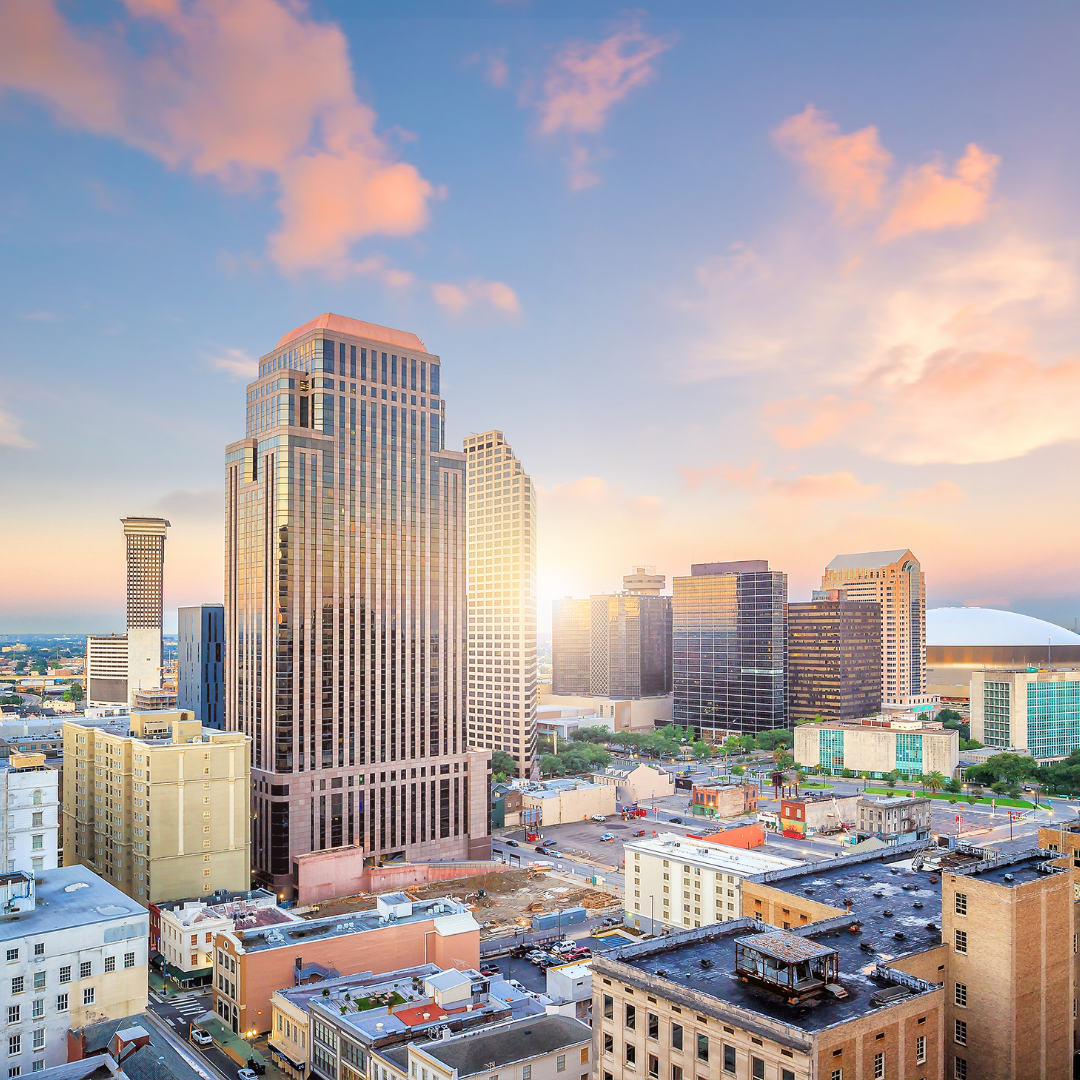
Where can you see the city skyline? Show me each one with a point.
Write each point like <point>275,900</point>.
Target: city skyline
<point>811,290</point>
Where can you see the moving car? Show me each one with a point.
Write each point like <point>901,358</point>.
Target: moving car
<point>640,832</point>
<point>540,847</point>
<point>512,843</point>
<point>608,836</point>
<point>201,1038</point>
<point>675,820</point>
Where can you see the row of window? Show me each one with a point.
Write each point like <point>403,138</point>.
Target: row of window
<point>37,1010</point>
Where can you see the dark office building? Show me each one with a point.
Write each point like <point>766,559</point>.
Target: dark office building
<point>834,659</point>
<point>200,653</point>
<point>730,646</point>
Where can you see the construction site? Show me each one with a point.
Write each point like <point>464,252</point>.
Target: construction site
<point>503,902</point>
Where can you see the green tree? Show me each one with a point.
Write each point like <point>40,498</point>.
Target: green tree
<point>777,737</point>
<point>783,759</point>
<point>737,770</point>
<point>74,692</point>
<point>890,779</point>
<point>700,748</point>
<point>936,781</point>
<point>503,764</point>
<point>550,765</point>
<point>950,718</point>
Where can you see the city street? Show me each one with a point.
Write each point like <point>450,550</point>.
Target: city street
<point>177,1013</point>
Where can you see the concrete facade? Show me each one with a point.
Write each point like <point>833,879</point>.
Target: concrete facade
<point>29,813</point>
<point>619,714</point>
<point>633,783</point>
<point>200,651</point>
<point>502,601</point>
<point>877,746</point>
<point>158,805</point>
<point>341,484</point>
<point>894,819</point>
<point>561,801</point>
<point>145,550</point>
<point>812,814</point>
<point>106,669</point>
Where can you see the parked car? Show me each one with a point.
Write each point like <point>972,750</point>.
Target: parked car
<point>517,986</point>
<point>540,847</point>
<point>640,832</point>
<point>599,817</point>
<point>512,843</point>
<point>536,956</point>
<point>675,820</point>
<point>201,1038</point>
<point>607,837</point>
<point>488,968</point>
<point>564,946</point>
<point>578,954</point>
<point>246,1074</point>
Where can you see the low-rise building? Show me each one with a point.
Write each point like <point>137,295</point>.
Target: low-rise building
<point>544,1048</point>
<point>29,813</point>
<point>674,881</point>
<point>636,781</point>
<point>76,951</point>
<point>813,814</point>
<point>619,714</point>
<point>126,1049</point>
<point>894,819</point>
<point>569,986</point>
<point>877,745</point>
<point>555,802</point>
<point>250,964</point>
<point>182,931</point>
<point>156,802</point>
<point>367,1014</point>
<point>718,799</point>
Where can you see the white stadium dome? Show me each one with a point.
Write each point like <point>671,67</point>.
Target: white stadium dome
<point>991,627</point>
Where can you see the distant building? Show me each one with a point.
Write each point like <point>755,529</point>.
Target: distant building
<point>571,646</point>
<point>249,965</point>
<point>501,528</point>
<point>145,539</point>
<point>730,633</point>
<point>834,659</point>
<point>152,700</point>
<point>200,649</point>
<point>895,580</point>
<point>29,813</point>
<point>618,714</point>
<point>1025,709</point>
<point>106,669</point>
<point>158,804</point>
<point>720,799</point>
<point>555,802</point>
<point>636,781</point>
<point>894,819</point>
<point>673,881</point>
<point>877,745</point>
<point>76,954</point>
<point>812,814</point>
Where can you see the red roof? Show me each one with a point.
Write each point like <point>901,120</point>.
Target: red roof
<point>424,1014</point>
<point>339,324</point>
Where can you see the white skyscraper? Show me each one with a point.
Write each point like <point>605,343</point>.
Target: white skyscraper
<point>502,601</point>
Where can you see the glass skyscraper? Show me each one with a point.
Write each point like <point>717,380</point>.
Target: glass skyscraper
<point>345,605</point>
<point>730,649</point>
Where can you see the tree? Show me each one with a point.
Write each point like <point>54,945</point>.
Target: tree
<point>737,770</point>
<point>74,692</point>
<point>970,744</point>
<point>783,759</point>
<point>777,737</point>
<point>935,781</point>
<point>550,765</point>
<point>890,779</point>
<point>503,764</point>
<point>950,718</point>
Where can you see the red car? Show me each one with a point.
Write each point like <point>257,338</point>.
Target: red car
<point>640,832</point>
<point>577,954</point>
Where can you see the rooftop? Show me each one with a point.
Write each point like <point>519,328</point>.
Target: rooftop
<point>449,917</point>
<point>702,852</point>
<point>341,324</point>
<point>487,1051</point>
<point>991,626</point>
<point>73,896</point>
<point>245,910</point>
<point>1018,869</point>
<point>867,560</point>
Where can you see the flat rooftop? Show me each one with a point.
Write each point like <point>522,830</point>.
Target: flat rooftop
<point>449,917</point>
<point>1019,870</point>
<point>72,896</point>
<point>488,1051</point>
<point>735,860</point>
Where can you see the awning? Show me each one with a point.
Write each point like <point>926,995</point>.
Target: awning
<point>285,1057</point>
<point>173,972</point>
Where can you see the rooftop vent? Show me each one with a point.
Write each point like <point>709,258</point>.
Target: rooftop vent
<point>889,995</point>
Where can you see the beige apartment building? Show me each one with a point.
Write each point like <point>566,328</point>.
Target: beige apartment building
<point>893,579</point>
<point>502,689</point>
<point>673,881</point>
<point>159,805</point>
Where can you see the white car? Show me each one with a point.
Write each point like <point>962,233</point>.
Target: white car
<point>599,817</point>
<point>201,1038</point>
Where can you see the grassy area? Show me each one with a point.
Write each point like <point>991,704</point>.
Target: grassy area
<point>1023,804</point>
<point>365,1003</point>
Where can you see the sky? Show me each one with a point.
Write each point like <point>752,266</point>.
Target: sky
<point>733,287</point>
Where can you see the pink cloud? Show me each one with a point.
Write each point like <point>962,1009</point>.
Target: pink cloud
<point>212,97</point>
<point>929,200</point>
<point>800,422</point>
<point>458,298</point>
<point>844,486</point>
<point>587,78</point>
<point>943,493</point>
<point>235,363</point>
<point>850,171</point>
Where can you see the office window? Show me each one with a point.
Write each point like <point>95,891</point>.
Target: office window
<point>110,963</point>
<point>12,955</point>
<point>61,1003</point>
<point>17,984</point>
<point>960,995</point>
<point>526,1072</point>
<point>631,1017</point>
<point>609,1043</point>
<point>38,1008</point>
<point>757,1068</point>
<point>14,1070</point>
<point>960,905</point>
<point>39,1038</point>
<point>879,1066</point>
<point>65,973</point>
<point>14,1044</point>
<point>129,959</point>
<point>631,1054</point>
<point>609,1007</point>
<point>960,1032</point>
<point>14,1014</point>
<point>85,969</point>
<point>786,1074</point>
<point>702,1047</point>
<point>676,1072</point>
<point>560,1063</point>
<point>654,1065</point>
<point>653,1022</point>
<point>88,996</point>
<point>39,980</point>
<point>729,1058</point>
<point>959,1069</point>
<point>676,1036</point>
<point>961,941</point>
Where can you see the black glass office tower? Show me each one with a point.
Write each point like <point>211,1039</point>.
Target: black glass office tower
<point>200,654</point>
<point>730,649</point>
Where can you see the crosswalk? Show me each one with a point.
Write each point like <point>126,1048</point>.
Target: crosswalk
<point>188,1005</point>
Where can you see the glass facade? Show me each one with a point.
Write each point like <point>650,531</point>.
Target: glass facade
<point>345,605</point>
<point>834,659</point>
<point>996,714</point>
<point>571,646</point>
<point>909,754</point>
<point>1053,718</point>
<point>831,748</point>
<point>730,650</point>
<point>200,655</point>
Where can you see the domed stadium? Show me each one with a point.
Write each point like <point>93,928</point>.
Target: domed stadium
<point>959,640</point>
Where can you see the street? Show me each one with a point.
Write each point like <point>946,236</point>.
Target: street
<point>177,1013</point>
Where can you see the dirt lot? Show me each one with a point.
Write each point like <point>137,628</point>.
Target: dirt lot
<point>512,898</point>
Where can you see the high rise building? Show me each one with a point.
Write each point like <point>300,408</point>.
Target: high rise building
<point>502,601</point>
<point>345,604</point>
<point>106,669</point>
<point>614,645</point>
<point>834,659</point>
<point>158,805</point>
<point>200,650</point>
<point>571,646</point>
<point>145,580</point>
<point>894,579</point>
<point>730,649</point>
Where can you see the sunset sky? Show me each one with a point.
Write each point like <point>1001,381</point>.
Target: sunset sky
<point>732,287</point>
